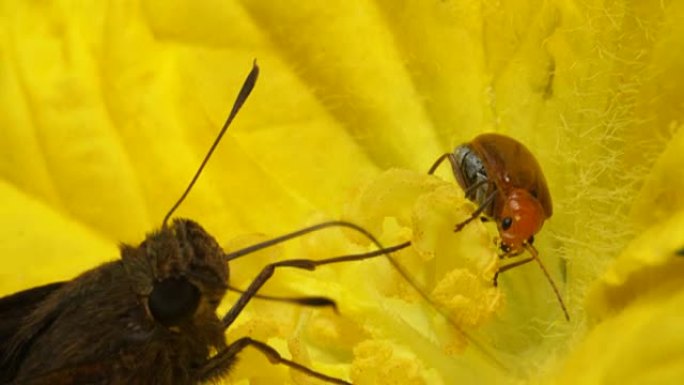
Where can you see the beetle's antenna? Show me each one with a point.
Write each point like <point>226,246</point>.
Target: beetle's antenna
<point>246,89</point>
<point>535,255</point>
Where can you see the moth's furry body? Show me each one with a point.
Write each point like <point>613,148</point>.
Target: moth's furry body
<point>102,318</point>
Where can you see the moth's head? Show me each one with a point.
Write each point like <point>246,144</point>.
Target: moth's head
<point>178,272</point>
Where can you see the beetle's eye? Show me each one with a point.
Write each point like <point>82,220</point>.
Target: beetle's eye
<point>173,300</point>
<point>506,223</point>
<point>530,240</point>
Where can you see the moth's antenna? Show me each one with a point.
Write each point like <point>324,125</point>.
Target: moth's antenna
<point>247,87</point>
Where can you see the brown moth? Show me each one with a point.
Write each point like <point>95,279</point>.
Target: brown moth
<point>150,317</point>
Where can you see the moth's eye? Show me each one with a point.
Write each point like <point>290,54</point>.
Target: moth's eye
<point>506,223</point>
<point>173,300</point>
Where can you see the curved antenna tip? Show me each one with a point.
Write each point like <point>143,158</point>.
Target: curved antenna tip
<point>246,89</point>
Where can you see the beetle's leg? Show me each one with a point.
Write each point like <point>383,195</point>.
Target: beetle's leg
<point>510,254</point>
<point>510,266</point>
<point>471,190</point>
<point>439,161</point>
<point>221,363</point>
<point>478,212</point>
<point>452,159</point>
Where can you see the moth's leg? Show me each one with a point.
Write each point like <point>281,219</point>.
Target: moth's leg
<point>306,264</point>
<point>478,212</point>
<point>222,362</point>
<point>296,234</point>
<point>313,301</point>
<point>510,266</point>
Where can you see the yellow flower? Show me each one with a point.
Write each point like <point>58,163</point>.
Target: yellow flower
<point>107,109</point>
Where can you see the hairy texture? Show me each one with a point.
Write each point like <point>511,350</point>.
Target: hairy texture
<point>97,328</point>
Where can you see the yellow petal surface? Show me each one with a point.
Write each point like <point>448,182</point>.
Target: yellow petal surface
<point>107,108</point>
<point>637,306</point>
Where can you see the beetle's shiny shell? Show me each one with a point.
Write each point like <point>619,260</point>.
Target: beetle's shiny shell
<point>507,163</point>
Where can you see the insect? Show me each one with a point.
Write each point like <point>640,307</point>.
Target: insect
<point>150,317</point>
<point>504,179</point>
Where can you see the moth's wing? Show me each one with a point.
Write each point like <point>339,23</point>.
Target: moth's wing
<point>13,311</point>
<point>97,373</point>
<point>14,308</point>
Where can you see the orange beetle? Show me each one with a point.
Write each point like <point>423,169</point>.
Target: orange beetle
<point>502,176</point>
